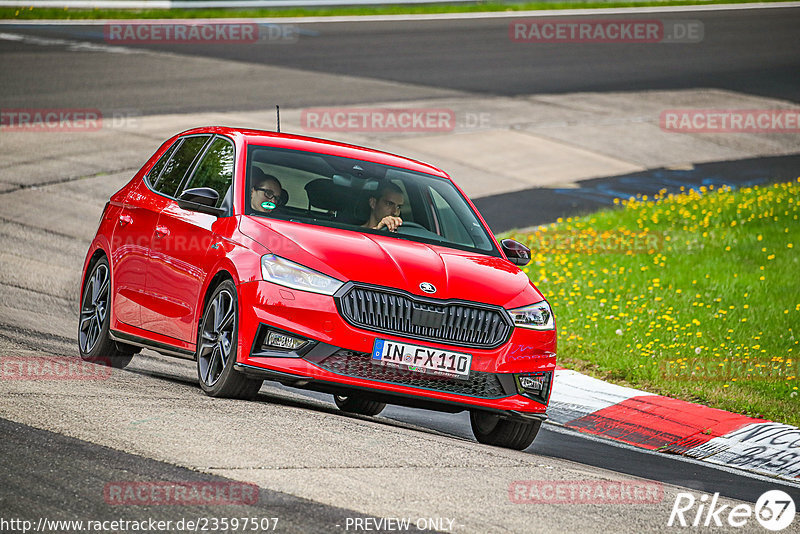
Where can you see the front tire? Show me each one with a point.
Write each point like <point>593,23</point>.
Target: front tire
<point>358,405</point>
<point>491,429</point>
<point>217,347</point>
<point>94,342</point>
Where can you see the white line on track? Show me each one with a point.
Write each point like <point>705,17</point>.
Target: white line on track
<point>72,46</point>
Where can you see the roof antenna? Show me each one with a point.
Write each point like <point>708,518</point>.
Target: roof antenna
<point>278,111</point>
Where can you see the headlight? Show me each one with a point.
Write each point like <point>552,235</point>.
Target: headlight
<point>290,274</point>
<point>537,316</point>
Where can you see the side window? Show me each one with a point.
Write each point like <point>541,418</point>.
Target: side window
<point>216,168</point>
<point>155,172</point>
<point>405,211</point>
<point>174,171</point>
<point>452,228</point>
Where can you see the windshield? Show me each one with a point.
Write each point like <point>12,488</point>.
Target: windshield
<point>361,196</point>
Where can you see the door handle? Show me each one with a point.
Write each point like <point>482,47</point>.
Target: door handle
<point>125,219</point>
<point>162,231</point>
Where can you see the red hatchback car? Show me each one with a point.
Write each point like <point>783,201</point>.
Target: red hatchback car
<point>320,265</point>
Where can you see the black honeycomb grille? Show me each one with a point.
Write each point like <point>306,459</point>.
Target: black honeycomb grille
<point>359,364</point>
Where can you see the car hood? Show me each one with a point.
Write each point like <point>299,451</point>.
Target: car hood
<point>395,262</point>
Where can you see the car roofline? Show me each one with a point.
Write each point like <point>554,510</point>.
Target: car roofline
<point>252,136</point>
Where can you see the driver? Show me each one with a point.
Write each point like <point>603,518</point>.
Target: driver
<point>385,207</point>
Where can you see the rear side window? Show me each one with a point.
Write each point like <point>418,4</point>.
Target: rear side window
<point>216,168</point>
<point>155,172</point>
<point>181,161</point>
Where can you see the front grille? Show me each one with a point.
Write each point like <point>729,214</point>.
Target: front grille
<point>359,364</point>
<point>461,324</point>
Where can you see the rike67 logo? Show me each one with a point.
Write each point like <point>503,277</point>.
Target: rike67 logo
<point>774,510</point>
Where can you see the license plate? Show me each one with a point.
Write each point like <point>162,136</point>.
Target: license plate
<point>423,360</point>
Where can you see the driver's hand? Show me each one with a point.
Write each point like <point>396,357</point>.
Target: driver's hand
<point>390,223</point>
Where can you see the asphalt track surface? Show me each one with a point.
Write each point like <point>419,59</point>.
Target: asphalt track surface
<point>68,487</point>
<point>45,473</point>
<point>749,51</point>
<point>559,442</point>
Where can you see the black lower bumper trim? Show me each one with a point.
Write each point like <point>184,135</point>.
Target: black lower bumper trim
<point>399,399</point>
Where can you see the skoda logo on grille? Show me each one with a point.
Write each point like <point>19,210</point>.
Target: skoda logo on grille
<point>427,287</point>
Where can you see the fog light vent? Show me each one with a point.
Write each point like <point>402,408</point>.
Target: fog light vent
<point>281,340</point>
<point>532,383</point>
<point>535,386</point>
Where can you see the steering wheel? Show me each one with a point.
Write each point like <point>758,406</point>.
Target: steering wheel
<point>407,225</point>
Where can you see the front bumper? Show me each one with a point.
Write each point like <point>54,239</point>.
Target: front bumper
<point>337,358</point>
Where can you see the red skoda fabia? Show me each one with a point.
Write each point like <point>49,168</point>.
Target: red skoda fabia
<point>324,266</point>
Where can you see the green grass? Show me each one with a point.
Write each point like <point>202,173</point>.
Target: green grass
<point>694,296</point>
<point>30,13</point>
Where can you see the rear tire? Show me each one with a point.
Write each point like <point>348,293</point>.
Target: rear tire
<point>94,341</point>
<point>218,346</point>
<point>358,405</point>
<point>492,429</point>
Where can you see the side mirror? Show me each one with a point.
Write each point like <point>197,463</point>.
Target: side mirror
<point>516,252</point>
<point>202,199</point>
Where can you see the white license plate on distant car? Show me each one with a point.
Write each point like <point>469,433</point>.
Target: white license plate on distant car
<point>423,360</point>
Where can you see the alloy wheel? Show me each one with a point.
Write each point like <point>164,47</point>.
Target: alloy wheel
<point>94,308</point>
<point>217,337</point>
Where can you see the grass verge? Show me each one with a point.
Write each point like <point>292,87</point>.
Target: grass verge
<point>34,13</point>
<point>694,296</point>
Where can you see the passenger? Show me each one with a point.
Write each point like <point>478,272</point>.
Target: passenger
<point>266,192</point>
<point>385,207</point>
